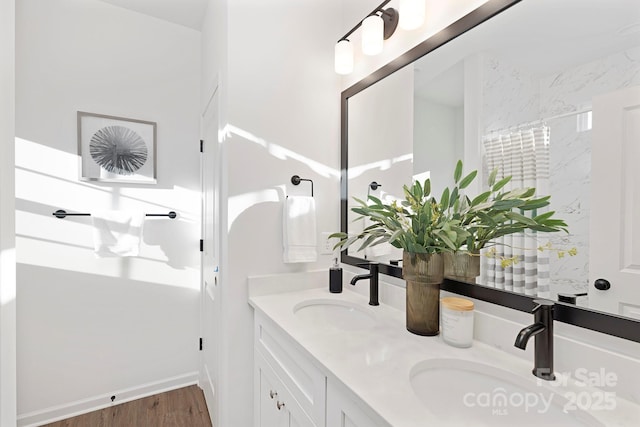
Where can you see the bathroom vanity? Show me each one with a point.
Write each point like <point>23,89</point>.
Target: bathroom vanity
<point>291,387</point>
<point>329,360</point>
<point>324,359</point>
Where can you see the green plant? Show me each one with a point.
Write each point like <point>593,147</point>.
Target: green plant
<point>416,225</point>
<point>421,224</point>
<point>496,213</point>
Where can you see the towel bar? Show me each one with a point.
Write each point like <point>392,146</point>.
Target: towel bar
<point>295,180</point>
<point>62,213</point>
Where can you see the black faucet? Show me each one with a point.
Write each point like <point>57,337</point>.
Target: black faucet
<point>373,282</point>
<point>542,328</point>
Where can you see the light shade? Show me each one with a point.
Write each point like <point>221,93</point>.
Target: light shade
<point>411,14</point>
<point>372,35</point>
<point>344,57</point>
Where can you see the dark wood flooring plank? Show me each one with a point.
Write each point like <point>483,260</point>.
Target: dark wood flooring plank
<point>183,407</point>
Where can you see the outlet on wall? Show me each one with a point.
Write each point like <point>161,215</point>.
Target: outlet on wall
<point>326,244</point>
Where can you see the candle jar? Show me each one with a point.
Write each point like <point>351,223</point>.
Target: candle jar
<point>457,321</point>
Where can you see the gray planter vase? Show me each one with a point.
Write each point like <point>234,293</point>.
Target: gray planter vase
<point>461,266</point>
<point>424,274</point>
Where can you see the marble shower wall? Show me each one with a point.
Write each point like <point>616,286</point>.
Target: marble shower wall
<point>512,96</point>
<point>569,91</point>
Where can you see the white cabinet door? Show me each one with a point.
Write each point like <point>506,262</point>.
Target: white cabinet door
<point>274,404</point>
<point>269,414</point>
<point>343,411</point>
<point>615,213</point>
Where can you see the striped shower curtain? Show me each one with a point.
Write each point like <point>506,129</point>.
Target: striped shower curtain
<point>522,154</point>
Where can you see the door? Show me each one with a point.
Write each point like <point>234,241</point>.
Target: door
<point>615,203</point>
<point>210,286</point>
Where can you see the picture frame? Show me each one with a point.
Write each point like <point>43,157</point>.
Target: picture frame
<point>116,149</point>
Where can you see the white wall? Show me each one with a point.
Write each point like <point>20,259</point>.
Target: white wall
<point>90,328</point>
<point>7,217</point>
<point>281,106</point>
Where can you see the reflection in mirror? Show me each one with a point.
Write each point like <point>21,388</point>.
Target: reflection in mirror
<point>438,131</point>
<point>415,134</point>
<point>573,82</point>
<point>380,127</point>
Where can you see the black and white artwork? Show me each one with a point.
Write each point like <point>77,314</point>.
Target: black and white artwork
<point>116,149</point>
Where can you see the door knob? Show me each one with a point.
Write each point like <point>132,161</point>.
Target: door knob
<point>602,284</point>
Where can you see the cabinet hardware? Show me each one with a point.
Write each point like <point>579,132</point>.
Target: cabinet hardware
<point>272,393</point>
<point>279,404</point>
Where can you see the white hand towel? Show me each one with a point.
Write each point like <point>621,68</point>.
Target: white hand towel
<point>117,233</point>
<point>299,229</point>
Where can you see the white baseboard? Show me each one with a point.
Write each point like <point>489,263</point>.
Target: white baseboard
<point>72,409</point>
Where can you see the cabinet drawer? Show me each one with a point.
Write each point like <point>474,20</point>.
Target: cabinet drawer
<point>299,375</point>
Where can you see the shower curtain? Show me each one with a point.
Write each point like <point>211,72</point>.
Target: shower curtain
<point>522,154</point>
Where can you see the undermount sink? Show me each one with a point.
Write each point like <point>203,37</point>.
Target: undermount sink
<point>336,314</point>
<point>462,392</point>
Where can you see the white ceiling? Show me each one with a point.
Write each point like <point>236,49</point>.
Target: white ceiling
<point>183,12</point>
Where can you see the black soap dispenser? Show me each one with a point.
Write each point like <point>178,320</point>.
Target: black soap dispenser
<point>335,278</point>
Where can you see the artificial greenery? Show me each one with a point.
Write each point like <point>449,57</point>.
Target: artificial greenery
<point>422,224</point>
<point>496,213</point>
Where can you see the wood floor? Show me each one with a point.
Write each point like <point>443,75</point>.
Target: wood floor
<point>184,407</point>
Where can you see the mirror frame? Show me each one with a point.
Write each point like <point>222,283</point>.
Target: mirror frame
<point>598,321</point>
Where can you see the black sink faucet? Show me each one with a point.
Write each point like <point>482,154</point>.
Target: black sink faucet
<point>373,282</point>
<point>542,328</point>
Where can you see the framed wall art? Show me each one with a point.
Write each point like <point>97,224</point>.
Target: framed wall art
<point>116,149</point>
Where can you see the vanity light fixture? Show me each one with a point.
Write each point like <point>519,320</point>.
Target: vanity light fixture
<point>378,26</point>
<point>344,57</point>
<point>411,14</point>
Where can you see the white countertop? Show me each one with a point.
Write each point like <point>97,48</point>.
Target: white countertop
<point>375,363</point>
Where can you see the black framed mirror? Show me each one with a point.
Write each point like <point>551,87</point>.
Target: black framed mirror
<point>439,58</point>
